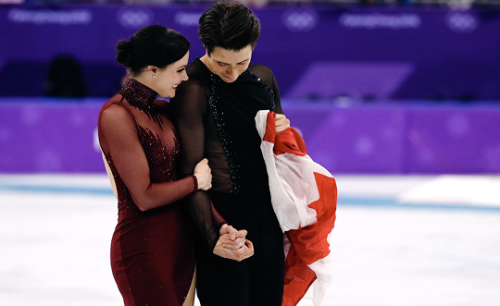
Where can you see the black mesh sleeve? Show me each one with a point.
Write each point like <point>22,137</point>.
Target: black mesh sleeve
<point>277,97</point>
<point>267,75</point>
<point>189,107</point>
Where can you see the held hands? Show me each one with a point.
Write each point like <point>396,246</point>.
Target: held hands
<point>233,245</point>
<point>203,175</point>
<point>282,123</point>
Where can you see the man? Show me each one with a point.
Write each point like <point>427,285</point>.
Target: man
<point>214,114</point>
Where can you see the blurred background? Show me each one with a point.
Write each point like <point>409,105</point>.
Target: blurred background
<point>399,99</point>
<point>382,87</point>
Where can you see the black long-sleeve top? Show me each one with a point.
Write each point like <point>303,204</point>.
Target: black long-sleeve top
<point>215,120</point>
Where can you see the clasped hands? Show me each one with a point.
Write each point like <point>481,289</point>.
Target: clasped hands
<point>232,244</point>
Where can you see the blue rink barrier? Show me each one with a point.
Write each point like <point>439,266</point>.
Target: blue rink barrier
<point>60,136</point>
<point>342,200</point>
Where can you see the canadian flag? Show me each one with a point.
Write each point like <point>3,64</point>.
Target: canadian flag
<point>304,198</point>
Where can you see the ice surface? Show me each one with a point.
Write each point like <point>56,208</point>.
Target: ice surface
<point>54,246</point>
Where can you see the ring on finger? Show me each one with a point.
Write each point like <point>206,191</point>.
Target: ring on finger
<point>240,245</point>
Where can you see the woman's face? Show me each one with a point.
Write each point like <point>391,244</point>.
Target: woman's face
<point>229,64</point>
<point>166,80</point>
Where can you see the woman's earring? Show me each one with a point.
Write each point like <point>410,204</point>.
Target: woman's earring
<point>154,76</point>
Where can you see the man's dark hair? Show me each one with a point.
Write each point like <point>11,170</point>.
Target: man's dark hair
<point>229,25</point>
<point>153,45</point>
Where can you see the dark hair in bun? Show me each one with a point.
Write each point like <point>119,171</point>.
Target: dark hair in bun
<point>153,45</point>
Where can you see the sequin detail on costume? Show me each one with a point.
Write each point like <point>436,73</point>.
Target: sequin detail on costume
<point>225,141</point>
<point>143,98</point>
<point>121,188</point>
<point>161,162</point>
<point>266,86</point>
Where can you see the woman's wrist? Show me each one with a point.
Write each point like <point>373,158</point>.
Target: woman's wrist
<point>195,180</point>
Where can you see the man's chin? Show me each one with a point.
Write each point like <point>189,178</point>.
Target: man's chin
<point>229,80</point>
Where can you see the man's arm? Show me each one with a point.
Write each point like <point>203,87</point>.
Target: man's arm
<point>189,108</point>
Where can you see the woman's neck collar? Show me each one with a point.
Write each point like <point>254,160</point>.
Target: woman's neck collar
<point>138,94</point>
<point>143,79</point>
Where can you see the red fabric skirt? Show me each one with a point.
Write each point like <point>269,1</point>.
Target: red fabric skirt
<point>152,256</point>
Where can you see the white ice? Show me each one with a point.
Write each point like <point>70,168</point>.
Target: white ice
<point>55,234</point>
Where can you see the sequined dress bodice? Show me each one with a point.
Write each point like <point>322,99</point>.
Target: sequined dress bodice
<point>155,133</point>
<point>161,161</point>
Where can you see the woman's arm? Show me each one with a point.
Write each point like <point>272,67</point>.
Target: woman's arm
<point>120,141</point>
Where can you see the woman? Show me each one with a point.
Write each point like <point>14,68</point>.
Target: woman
<point>214,114</point>
<point>152,256</point>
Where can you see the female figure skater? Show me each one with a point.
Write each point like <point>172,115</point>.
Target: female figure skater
<point>152,253</point>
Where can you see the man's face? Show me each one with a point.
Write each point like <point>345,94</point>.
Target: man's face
<point>229,64</point>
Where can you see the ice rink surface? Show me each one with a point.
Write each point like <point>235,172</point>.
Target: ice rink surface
<point>405,241</point>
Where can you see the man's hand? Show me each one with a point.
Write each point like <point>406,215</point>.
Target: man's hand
<point>282,123</point>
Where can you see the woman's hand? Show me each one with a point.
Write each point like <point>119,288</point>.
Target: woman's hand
<point>282,123</point>
<point>203,175</point>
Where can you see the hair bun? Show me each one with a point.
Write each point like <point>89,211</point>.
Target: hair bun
<point>124,53</point>
<point>154,45</point>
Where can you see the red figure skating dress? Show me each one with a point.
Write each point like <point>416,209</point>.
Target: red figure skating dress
<point>152,255</point>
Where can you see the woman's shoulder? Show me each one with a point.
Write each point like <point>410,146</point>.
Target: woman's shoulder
<point>114,108</point>
<point>113,103</point>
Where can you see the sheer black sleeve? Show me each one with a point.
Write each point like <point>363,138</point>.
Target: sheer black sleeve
<point>267,76</point>
<point>189,108</point>
<point>276,91</point>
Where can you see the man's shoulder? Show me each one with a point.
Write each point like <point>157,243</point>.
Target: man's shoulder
<point>262,71</point>
<point>197,70</point>
<point>197,77</point>
<point>260,67</point>
<point>196,87</point>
